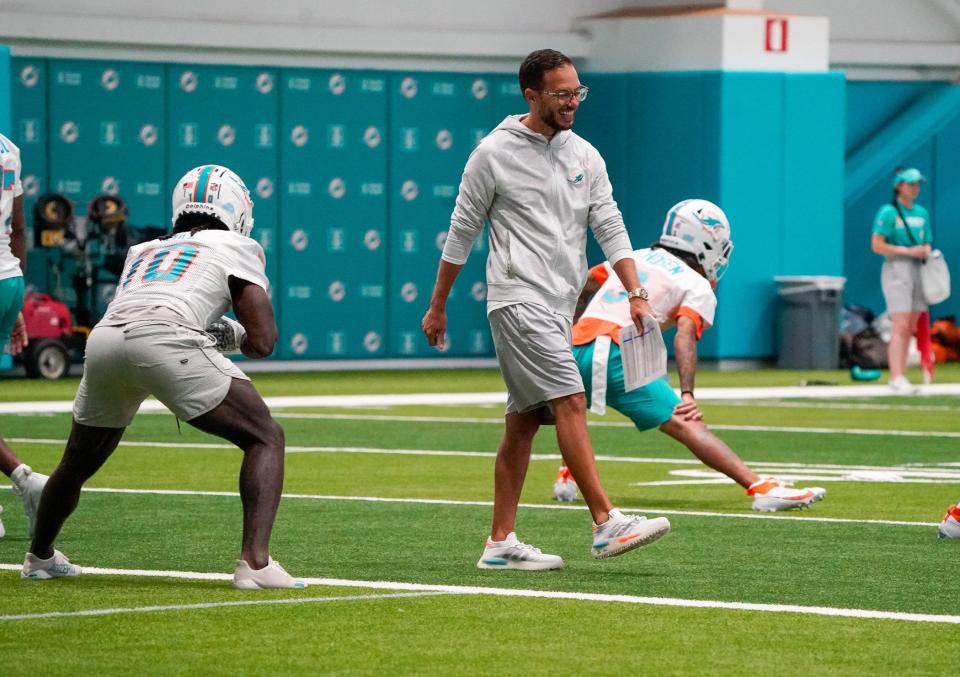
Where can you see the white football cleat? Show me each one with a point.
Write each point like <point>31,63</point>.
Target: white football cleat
<point>771,495</point>
<point>29,486</point>
<point>57,566</point>
<point>271,576</point>
<point>510,553</point>
<point>622,533</point>
<point>950,526</point>
<point>564,488</point>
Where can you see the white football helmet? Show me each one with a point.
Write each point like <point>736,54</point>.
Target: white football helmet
<point>215,191</point>
<point>700,228</point>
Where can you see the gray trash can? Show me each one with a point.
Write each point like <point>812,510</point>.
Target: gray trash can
<point>809,324</point>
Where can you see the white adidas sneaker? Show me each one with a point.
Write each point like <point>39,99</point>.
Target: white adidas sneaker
<point>772,495</point>
<point>271,576</point>
<point>510,553</point>
<point>623,533</point>
<point>58,566</point>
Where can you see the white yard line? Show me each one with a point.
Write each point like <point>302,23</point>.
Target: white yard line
<point>552,594</point>
<point>399,418</point>
<point>488,504</point>
<point>453,453</point>
<point>341,401</point>
<point>205,605</point>
<point>865,406</point>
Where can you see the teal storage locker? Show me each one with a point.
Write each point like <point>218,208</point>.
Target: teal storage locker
<point>106,134</point>
<point>227,115</point>
<point>436,120</point>
<point>28,130</point>
<point>334,205</point>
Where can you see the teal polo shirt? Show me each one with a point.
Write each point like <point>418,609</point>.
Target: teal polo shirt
<point>889,224</point>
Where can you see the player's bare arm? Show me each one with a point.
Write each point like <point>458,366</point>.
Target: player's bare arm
<point>685,355</point>
<point>255,312</point>
<point>434,322</point>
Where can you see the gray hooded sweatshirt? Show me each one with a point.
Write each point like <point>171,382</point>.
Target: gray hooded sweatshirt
<point>539,196</point>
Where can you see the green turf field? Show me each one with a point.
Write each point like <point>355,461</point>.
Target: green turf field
<point>387,509</point>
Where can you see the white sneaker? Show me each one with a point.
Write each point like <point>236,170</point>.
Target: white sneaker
<point>564,488</point>
<point>622,533</point>
<point>29,489</point>
<point>512,554</point>
<point>950,526</point>
<point>771,495</point>
<point>271,576</point>
<point>57,566</point>
<point>901,386</point>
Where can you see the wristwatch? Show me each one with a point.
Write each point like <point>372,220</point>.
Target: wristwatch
<point>638,293</point>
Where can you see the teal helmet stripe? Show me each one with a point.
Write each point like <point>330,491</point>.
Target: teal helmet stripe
<point>200,190</point>
<point>671,217</point>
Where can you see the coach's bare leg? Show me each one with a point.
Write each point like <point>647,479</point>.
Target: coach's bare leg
<point>8,459</point>
<point>577,452</point>
<point>243,419</point>
<point>710,449</point>
<point>87,450</point>
<point>513,458</point>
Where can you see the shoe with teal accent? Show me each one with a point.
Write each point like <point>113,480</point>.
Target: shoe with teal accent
<point>623,533</point>
<point>510,553</point>
<point>57,566</point>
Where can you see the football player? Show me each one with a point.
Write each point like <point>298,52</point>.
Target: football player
<point>163,334</point>
<point>13,259</point>
<point>680,273</point>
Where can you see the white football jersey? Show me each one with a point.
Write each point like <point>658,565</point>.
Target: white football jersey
<point>185,277</point>
<point>671,283</point>
<point>10,188</point>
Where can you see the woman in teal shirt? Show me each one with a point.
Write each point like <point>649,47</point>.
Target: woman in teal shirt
<point>901,234</point>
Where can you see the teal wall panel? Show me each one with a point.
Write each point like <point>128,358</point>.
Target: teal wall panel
<point>508,99</point>
<point>334,206</point>
<point>813,175</point>
<point>872,105</point>
<point>751,194</point>
<point>106,134</point>
<point>227,115</point>
<point>5,91</point>
<point>603,121</point>
<point>436,120</point>
<point>28,128</point>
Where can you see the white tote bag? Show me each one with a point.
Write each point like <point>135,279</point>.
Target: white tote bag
<point>935,278</point>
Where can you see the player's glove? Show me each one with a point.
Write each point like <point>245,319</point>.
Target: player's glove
<point>228,334</point>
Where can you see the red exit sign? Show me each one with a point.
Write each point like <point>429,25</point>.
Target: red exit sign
<point>775,38</point>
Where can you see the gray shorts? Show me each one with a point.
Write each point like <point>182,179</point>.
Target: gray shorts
<point>124,365</point>
<point>533,349</point>
<point>902,291</point>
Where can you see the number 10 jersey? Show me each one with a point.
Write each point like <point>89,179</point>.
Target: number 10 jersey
<point>185,278</point>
